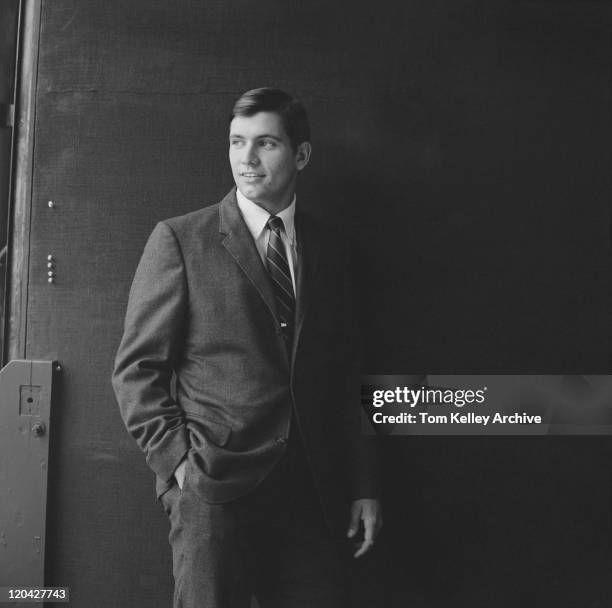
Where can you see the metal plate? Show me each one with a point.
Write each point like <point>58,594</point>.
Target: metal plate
<point>25,404</point>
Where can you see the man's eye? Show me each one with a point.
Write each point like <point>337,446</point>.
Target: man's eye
<point>267,143</point>
<point>235,142</point>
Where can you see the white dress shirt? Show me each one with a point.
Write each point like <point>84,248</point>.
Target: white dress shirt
<point>256,218</point>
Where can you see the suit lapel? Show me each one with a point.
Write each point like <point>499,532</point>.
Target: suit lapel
<point>309,247</point>
<point>240,245</point>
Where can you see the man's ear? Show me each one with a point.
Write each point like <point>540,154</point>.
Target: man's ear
<point>302,156</point>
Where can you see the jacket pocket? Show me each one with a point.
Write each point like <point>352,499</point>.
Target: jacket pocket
<point>214,431</point>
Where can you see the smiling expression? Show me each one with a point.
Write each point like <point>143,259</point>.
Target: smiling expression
<point>264,163</point>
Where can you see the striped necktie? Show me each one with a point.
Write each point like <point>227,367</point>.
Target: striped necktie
<point>278,268</point>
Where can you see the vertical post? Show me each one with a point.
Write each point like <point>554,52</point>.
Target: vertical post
<point>9,27</point>
<point>18,245</point>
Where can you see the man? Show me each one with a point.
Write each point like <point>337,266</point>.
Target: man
<point>259,458</point>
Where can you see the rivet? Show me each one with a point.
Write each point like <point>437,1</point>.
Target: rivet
<point>51,273</point>
<point>58,368</point>
<point>50,257</point>
<point>51,204</point>
<point>50,280</point>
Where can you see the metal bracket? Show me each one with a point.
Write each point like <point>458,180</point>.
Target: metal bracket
<point>25,412</point>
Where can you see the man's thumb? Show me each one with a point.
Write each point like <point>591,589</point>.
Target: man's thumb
<point>354,524</point>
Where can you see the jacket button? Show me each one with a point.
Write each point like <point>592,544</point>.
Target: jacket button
<point>281,441</point>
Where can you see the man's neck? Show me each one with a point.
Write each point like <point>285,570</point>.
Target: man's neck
<point>273,208</point>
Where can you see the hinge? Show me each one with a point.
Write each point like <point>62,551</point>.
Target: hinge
<point>7,115</point>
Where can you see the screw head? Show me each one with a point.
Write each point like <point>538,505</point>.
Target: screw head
<point>38,428</point>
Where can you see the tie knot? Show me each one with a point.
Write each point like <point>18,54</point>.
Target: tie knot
<point>275,223</point>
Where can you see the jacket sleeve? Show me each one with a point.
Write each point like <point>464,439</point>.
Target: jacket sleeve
<point>153,338</point>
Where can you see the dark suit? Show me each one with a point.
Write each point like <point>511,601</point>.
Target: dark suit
<point>202,306</point>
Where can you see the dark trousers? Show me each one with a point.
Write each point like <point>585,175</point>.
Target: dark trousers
<point>273,544</point>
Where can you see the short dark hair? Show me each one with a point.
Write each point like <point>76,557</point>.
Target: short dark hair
<point>291,111</point>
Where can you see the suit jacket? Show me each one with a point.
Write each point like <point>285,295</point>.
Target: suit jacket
<point>202,308</point>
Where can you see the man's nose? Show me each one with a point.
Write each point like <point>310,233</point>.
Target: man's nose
<point>250,155</point>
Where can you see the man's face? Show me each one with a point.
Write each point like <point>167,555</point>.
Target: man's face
<point>263,162</point>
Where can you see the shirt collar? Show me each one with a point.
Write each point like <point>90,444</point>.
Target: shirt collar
<point>256,217</point>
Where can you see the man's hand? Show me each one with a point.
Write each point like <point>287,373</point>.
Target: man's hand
<point>369,511</point>
<point>179,473</point>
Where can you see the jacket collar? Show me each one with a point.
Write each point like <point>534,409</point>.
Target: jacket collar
<point>240,245</point>
<point>238,241</point>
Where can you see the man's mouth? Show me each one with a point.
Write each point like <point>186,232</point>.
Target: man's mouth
<point>251,174</point>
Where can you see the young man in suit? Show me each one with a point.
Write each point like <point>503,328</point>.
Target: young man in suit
<point>261,467</point>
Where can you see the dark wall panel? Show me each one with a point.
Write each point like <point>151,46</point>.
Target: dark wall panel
<point>473,134</point>
<point>466,147</point>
